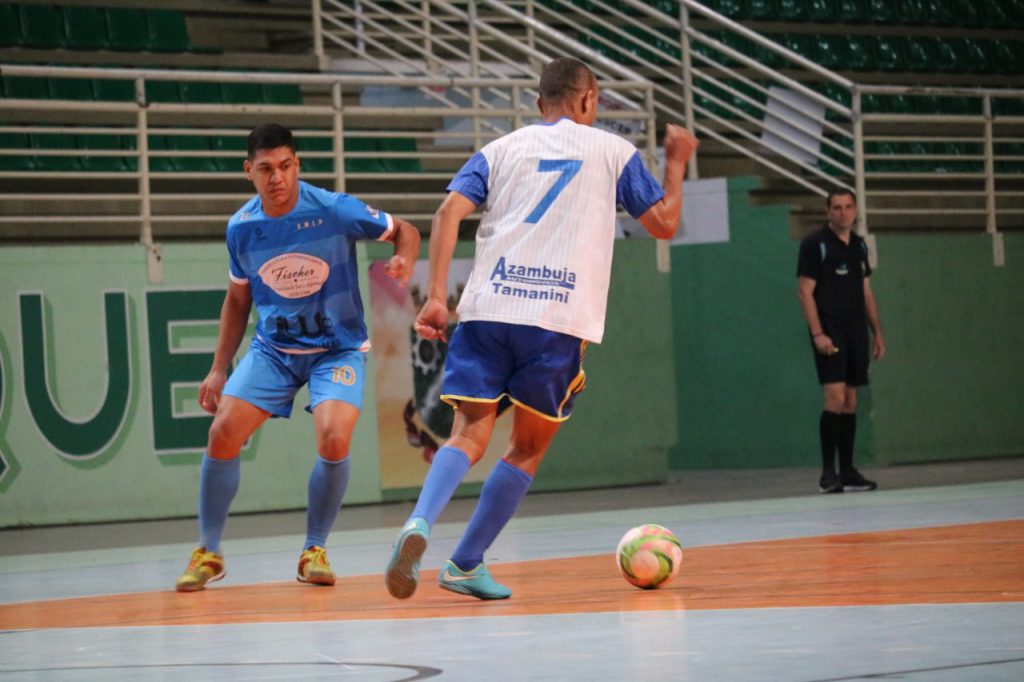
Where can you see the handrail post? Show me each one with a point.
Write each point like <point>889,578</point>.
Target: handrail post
<point>991,226</point>
<point>338,144</point>
<point>318,36</point>
<point>860,184</point>
<point>154,257</point>
<point>688,111</point>
<point>474,70</point>
<point>429,63</point>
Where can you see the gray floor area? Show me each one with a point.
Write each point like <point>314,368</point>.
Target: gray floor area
<point>910,642</point>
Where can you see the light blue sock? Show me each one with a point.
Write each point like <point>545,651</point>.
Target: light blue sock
<point>449,467</point>
<point>503,490</point>
<point>327,483</point>
<point>218,483</point>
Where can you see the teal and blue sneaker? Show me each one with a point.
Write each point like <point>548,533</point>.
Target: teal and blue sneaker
<point>403,570</point>
<point>476,583</point>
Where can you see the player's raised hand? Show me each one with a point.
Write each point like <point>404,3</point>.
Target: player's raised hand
<point>399,268</point>
<point>679,143</point>
<point>432,322</point>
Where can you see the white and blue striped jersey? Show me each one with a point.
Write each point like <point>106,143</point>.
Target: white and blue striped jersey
<point>544,246</point>
<point>301,268</point>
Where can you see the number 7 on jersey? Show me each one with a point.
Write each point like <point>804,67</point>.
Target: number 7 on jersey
<point>568,169</point>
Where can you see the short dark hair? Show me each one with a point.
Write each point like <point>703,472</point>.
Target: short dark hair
<point>839,192</point>
<point>563,78</point>
<point>269,136</point>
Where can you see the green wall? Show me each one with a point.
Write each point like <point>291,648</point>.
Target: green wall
<point>949,387</point>
<point>99,371</point>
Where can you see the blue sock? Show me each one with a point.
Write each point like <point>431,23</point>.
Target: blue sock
<point>449,467</point>
<point>503,490</point>
<point>218,483</point>
<point>327,483</point>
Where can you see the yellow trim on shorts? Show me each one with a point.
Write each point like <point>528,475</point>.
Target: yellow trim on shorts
<point>454,400</point>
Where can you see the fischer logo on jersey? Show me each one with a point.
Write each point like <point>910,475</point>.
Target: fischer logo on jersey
<point>533,275</point>
<point>294,275</point>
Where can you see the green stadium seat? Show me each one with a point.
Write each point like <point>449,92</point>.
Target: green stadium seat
<point>86,28</point>
<point>315,144</point>
<point>79,89</point>
<point>167,30</point>
<point>241,93</point>
<point>822,11</point>
<point>281,93</point>
<point>794,10</point>
<point>801,43</point>
<point>400,144</point>
<point>47,141</point>
<point>669,7</point>
<point>42,26</point>
<point>158,164</point>
<point>883,12</point>
<point>1014,12</point>
<point>889,53</point>
<point>968,12</point>
<point>889,165</point>
<point>15,163</point>
<point>851,11</point>
<point>108,164</point>
<point>191,143</point>
<point>230,143</point>
<point>859,53</point>
<point>830,51</point>
<point>26,87</point>
<point>128,29</point>
<point>1006,106</point>
<point>938,13</point>
<point>975,56</point>
<point>910,12</point>
<point>106,90</point>
<point>10,26</point>
<point>371,164</point>
<point>1005,56</point>
<point>734,9</point>
<point>922,54</point>
<point>994,15</point>
<point>947,58</point>
<point>162,91</point>
<point>763,10</point>
<point>1009,165</point>
<point>195,92</point>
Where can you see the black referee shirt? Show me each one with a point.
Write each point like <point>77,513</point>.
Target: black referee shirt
<point>839,271</point>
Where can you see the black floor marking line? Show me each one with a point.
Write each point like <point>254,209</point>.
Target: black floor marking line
<point>913,671</point>
<point>420,672</point>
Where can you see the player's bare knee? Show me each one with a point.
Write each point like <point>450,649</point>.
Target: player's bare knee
<point>333,445</point>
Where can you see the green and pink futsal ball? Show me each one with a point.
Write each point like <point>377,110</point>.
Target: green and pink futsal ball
<point>649,556</point>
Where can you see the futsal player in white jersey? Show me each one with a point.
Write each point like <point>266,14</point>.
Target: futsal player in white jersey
<point>291,253</point>
<point>535,298</point>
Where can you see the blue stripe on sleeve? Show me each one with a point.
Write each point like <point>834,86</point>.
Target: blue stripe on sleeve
<point>637,190</point>
<point>471,180</point>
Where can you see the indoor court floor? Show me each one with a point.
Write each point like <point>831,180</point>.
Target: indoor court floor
<point>920,580</point>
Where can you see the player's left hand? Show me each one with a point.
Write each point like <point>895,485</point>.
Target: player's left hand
<point>399,268</point>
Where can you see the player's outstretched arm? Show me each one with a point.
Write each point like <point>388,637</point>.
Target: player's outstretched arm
<point>432,321</point>
<point>406,239</point>
<point>662,219</point>
<point>234,318</point>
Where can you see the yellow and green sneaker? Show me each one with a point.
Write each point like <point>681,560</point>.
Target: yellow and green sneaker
<point>204,567</point>
<point>314,567</point>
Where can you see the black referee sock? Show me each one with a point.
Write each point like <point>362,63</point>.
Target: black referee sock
<point>828,429</point>
<point>847,431</point>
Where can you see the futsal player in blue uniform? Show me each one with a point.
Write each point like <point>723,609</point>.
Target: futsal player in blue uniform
<point>291,253</point>
<point>535,298</point>
<point>834,290</point>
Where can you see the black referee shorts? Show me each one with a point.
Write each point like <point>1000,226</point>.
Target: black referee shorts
<point>850,365</point>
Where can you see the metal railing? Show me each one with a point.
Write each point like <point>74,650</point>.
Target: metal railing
<point>759,98</point>
<point>90,168</point>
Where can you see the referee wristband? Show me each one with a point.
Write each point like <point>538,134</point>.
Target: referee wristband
<point>814,336</point>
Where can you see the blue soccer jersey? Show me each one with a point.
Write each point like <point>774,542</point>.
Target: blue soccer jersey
<point>301,268</point>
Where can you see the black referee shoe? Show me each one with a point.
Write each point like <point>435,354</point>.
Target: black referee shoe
<point>853,482</point>
<point>829,483</point>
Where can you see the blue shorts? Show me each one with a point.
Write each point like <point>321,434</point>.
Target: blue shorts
<point>269,378</point>
<point>537,369</point>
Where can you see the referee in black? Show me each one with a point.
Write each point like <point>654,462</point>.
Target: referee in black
<point>835,295</point>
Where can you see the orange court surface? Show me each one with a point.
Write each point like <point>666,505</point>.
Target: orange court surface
<point>919,583</point>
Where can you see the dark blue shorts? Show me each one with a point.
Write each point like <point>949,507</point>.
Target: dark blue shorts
<point>269,378</point>
<point>534,368</point>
